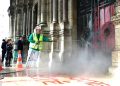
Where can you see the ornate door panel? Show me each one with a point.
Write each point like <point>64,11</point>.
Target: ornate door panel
<point>104,33</point>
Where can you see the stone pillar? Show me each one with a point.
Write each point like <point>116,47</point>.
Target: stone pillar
<point>72,18</point>
<point>32,26</point>
<point>116,52</point>
<point>60,10</point>
<point>30,17</point>
<point>51,10</point>
<point>11,12</point>
<point>27,23</point>
<point>10,26</point>
<point>43,12</point>
<point>66,21</point>
<point>54,17</point>
<point>65,6</point>
<point>24,19</point>
<point>50,56</point>
<point>24,23</point>
<point>28,29</point>
<point>70,12</point>
<point>39,12</point>
<point>61,47</point>
<point>18,25</point>
<point>14,28</point>
<point>21,23</point>
<point>15,25</point>
<point>68,48</point>
<point>19,17</point>
<point>55,10</point>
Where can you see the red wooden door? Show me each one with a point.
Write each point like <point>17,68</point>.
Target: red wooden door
<point>104,33</point>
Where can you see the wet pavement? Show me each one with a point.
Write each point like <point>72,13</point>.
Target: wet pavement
<point>73,68</point>
<point>69,71</point>
<point>40,77</point>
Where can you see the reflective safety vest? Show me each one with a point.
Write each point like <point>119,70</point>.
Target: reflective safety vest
<point>36,45</point>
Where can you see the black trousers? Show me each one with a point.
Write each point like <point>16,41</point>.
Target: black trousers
<point>8,59</point>
<point>3,54</point>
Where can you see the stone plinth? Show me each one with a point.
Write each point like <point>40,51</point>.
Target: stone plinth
<point>116,52</point>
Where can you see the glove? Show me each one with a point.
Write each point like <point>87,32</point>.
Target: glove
<point>36,42</point>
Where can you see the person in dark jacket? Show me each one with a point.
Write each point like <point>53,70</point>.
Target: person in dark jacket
<point>9,56</point>
<point>3,46</point>
<point>20,45</point>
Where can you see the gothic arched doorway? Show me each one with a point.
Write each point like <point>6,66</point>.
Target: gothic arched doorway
<point>108,37</point>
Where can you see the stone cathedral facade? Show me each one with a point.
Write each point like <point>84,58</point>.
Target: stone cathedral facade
<point>95,21</point>
<point>57,17</point>
<point>78,20</point>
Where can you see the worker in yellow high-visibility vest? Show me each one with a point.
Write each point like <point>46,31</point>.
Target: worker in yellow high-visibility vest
<point>36,40</point>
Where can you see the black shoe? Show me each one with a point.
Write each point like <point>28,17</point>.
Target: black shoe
<point>10,66</point>
<point>6,65</point>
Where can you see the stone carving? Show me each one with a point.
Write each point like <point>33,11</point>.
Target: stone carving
<point>116,17</point>
<point>117,22</point>
<point>117,9</point>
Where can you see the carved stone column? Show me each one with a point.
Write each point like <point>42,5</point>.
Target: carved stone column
<point>11,12</point>
<point>15,25</point>
<point>55,10</point>
<point>10,26</point>
<point>65,7</point>
<point>19,21</point>
<point>27,23</point>
<point>72,18</point>
<point>29,18</point>
<point>19,17</point>
<point>43,12</point>
<point>39,12</point>
<point>60,10</point>
<point>11,21</point>
<point>24,18</point>
<point>116,52</point>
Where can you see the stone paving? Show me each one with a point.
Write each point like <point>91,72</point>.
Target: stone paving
<point>33,76</point>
